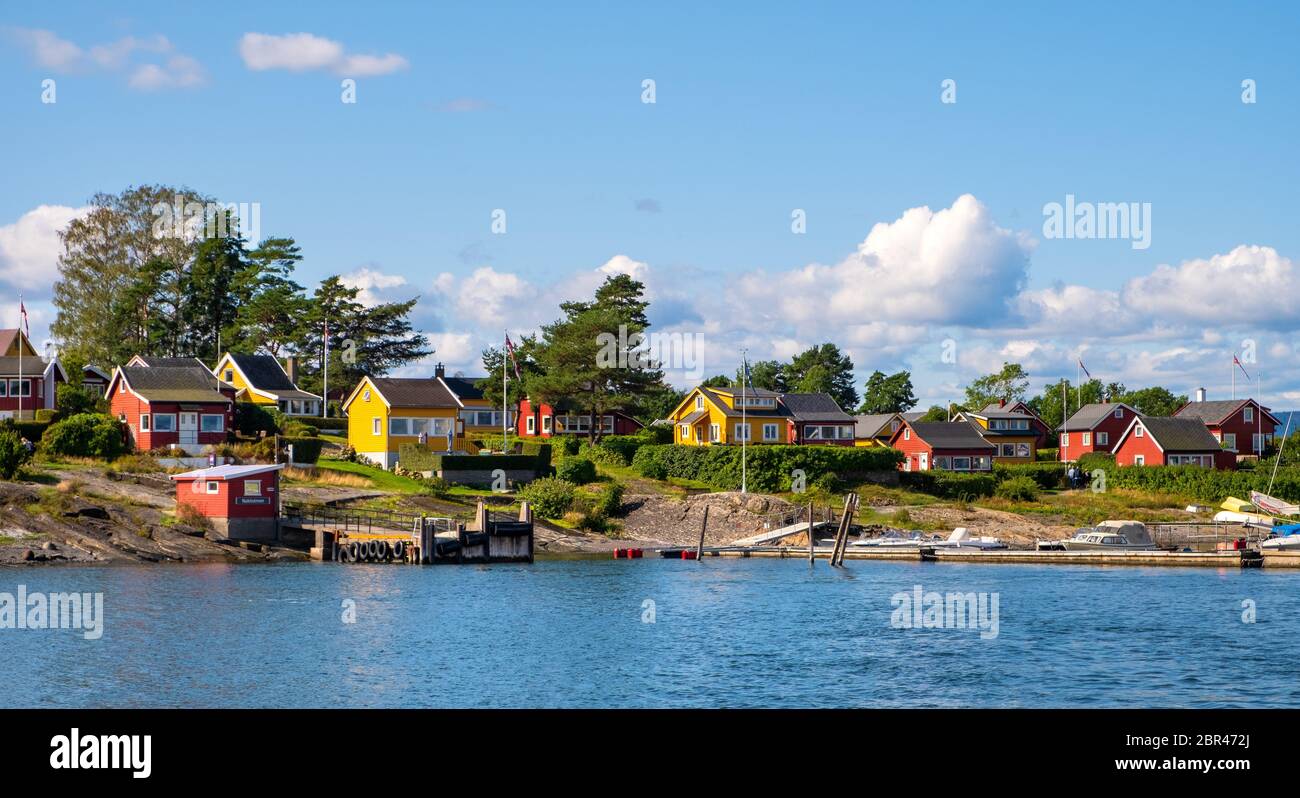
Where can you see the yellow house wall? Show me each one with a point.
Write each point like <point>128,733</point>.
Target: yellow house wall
<point>237,380</point>
<point>1014,439</point>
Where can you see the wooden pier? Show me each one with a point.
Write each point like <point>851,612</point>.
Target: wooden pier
<point>1245,558</point>
<point>1281,559</point>
<point>377,536</point>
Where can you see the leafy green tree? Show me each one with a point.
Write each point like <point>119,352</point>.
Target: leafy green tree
<point>823,369</point>
<point>936,413</point>
<point>271,318</point>
<point>1153,401</point>
<point>1009,383</point>
<point>71,399</point>
<point>13,454</point>
<point>888,394</point>
<point>768,375</point>
<point>1063,398</point>
<point>716,381</point>
<point>525,357</point>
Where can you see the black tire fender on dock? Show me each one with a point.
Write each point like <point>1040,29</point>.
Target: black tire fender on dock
<point>354,552</point>
<point>342,554</point>
<point>372,548</point>
<point>399,549</point>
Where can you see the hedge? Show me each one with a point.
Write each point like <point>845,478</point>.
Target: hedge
<point>305,450</point>
<point>769,468</point>
<point>1048,476</point>
<point>617,450</point>
<point>415,457</point>
<point>321,422</point>
<point>31,430</point>
<point>578,470</point>
<point>1204,484</point>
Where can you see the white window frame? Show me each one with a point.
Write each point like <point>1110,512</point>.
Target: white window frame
<point>399,427</point>
<point>771,432</point>
<point>1119,412</point>
<point>956,463</point>
<point>377,426</point>
<point>1230,440</point>
<point>24,395</point>
<point>221,422</point>
<point>1103,438</point>
<point>252,487</point>
<point>365,396</point>
<point>907,434</point>
<point>1139,459</point>
<point>1087,439</point>
<point>699,403</point>
<point>1248,414</point>
<point>531,425</point>
<point>742,432</point>
<point>1065,440</point>
<point>1139,432</point>
<point>548,424</point>
<point>171,421</point>
<point>214,486</point>
<point>686,431</point>
<point>715,433</point>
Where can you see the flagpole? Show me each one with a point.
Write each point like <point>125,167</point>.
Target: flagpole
<point>1065,417</point>
<point>21,312</point>
<point>1234,378</point>
<point>325,386</point>
<point>505,353</point>
<point>744,420</point>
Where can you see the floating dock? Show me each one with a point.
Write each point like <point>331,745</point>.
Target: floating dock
<point>1281,559</point>
<point>1243,558</point>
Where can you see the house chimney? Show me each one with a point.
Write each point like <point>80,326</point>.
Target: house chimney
<point>439,371</point>
<point>1002,403</point>
<point>291,368</point>
<point>1200,394</point>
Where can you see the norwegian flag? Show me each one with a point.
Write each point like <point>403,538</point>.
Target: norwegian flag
<point>22,311</point>
<point>1237,363</point>
<point>510,350</point>
<point>1085,369</point>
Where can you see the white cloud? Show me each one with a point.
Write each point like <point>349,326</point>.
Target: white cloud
<point>153,61</point>
<point>30,247</point>
<point>304,52</point>
<point>371,284</point>
<point>1233,288</point>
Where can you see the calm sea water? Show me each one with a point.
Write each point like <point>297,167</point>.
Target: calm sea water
<point>733,633</point>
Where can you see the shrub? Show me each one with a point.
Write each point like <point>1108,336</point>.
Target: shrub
<point>47,415</point>
<point>252,420</point>
<point>1047,476</point>
<point>950,484</point>
<point>85,435</point>
<point>615,450</point>
<point>1021,488</point>
<point>437,486</point>
<point>305,449</point>
<point>71,400</point>
<point>569,444</point>
<point>769,468</point>
<point>190,515</point>
<point>296,428</point>
<point>31,430</point>
<point>13,454</point>
<point>549,497</point>
<point>610,499</point>
<point>577,470</point>
<point>1042,455</point>
<point>139,463</point>
<point>829,482</point>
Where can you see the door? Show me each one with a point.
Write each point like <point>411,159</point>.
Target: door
<point>189,428</point>
<point>925,461</point>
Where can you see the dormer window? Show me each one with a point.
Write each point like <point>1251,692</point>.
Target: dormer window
<point>1248,414</point>
<point>1119,412</point>
<point>699,403</point>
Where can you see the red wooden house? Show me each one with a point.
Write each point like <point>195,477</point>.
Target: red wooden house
<point>1240,425</point>
<point>1095,427</point>
<point>241,501</point>
<point>27,382</point>
<point>1155,440</point>
<point>183,407</point>
<point>541,421</point>
<point>942,446</point>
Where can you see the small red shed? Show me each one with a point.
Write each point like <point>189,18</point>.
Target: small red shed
<point>241,501</point>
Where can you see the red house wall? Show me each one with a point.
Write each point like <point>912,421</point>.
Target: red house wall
<point>1245,431</point>
<point>1113,427</point>
<point>128,404</point>
<point>223,504</point>
<point>30,403</point>
<point>622,424</point>
<point>1134,446</point>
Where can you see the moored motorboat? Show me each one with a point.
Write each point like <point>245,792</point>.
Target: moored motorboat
<point>1285,537</point>
<point>1111,536</point>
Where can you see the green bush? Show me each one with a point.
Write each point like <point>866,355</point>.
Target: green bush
<point>829,482</point>
<point>615,450</point>
<point>320,422</point>
<point>251,420</point>
<point>31,430</point>
<point>1047,454</point>
<point>1047,476</point>
<point>47,415</point>
<point>1207,485</point>
<point>70,400</point>
<point>610,499</point>
<point>415,457</point>
<point>549,497</point>
<point>85,435</point>
<point>950,484</point>
<point>306,450</point>
<point>769,468</point>
<point>13,454</point>
<point>296,428</point>
<point>1021,488</point>
<point>569,444</point>
<point>578,470</point>
<point>1093,460</point>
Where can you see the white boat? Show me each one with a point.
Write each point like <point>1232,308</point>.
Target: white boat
<point>1285,538</point>
<point>1270,504</point>
<point>1111,536</point>
<point>959,539</point>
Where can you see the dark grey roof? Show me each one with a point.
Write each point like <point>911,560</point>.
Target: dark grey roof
<point>414,392</point>
<point>168,362</point>
<point>1214,412</point>
<point>264,373</point>
<point>867,426</point>
<point>465,387</point>
<point>950,435</point>
<point>778,411</point>
<point>1180,434</point>
<point>174,384</point>
<point>31,366</point>
<point>913,415</point>
<point>1090,415</point>
<point>815,407</point>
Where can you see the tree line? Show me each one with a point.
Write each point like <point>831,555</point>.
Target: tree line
<point>131,284</point>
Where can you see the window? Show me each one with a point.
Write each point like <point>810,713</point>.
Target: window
<point>1020,423</point>
<point>1008,450</point>
<point>1119,412</point>
<point>4,388</point>
<point>399,426</point>
<point>164,422</point>
<point>1023,450</point>
<point>229,375</point>
<point>607,425</point>
<point>715,433</point>
<point>377,430</point>
<point>531,424</point>
<point>699,403</point>
<point>1087,439</point>
<point>742,432</point>
<point>812,433</point>
<point>365,397</point>
<point>1103,438</point>
<point>547,424</point>
<point>144,422</point>
<point>483,418</point>
<point>214,486</point>
<point>1065,439</point>
<point>1230,440</point>
<point>961,464</point>
<point>1139,459</point>
<point>1138,431</point>
<point>1257,441</point>
<point>943,463</point>
<point>686,431</point>
<point>252,487</point>
<point>769,432</point>
<point>1248,414</point>
<point>21,387</point>
<point>907,434</point>
<point>212,423</point>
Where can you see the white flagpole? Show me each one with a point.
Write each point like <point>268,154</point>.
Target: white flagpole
<point>744,419</point>
<point>19,336</point>
<point>505,354</point>
<point>325,386</point>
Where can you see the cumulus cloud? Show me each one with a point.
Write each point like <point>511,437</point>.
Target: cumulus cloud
<point>152,61</point>
<point>371,284</point>
<point>30,247</point>
<point>1230,288</point>
<point>305,52</point>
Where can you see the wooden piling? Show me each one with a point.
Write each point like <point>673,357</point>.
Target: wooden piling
<point>812,560</point>
<point>704,523</point>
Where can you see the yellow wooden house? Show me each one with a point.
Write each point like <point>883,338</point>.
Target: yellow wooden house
<point>385,412</point>
<point>712,416</point>
<point>479,417</point>
<point>261,379</point>
<point>1011,432</point>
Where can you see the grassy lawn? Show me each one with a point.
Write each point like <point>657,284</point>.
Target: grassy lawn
<point>1083,507</point>
<point>381,479</point>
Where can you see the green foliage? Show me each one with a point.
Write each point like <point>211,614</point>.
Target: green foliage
<point>549,497</point>
<point>1021,488</point>
<point>769,468</point>
<point>72,399</point>
<point>829,482</point>
<point>13,454</point>
<point>306,449</point>
<point>1207,485</point>
<point>414,457</point>
<point>823,369</point>
<point>569,445</point>
<point>1044,455</point>
<point>1009,383</point>
<point>321,423</point>
<point>85,435</point>
<point>251,419</point>
<point>610,500</point>
<point>1047,476</point>
<point>950,484</point>
<point>615,450</point>
<point>31,430</point>
<point>47,415</point>
<point>297,428</point>
<point>888,394</point>
<point>578,470</point>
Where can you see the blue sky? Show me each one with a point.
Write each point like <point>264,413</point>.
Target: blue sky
<point>833,109</point>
